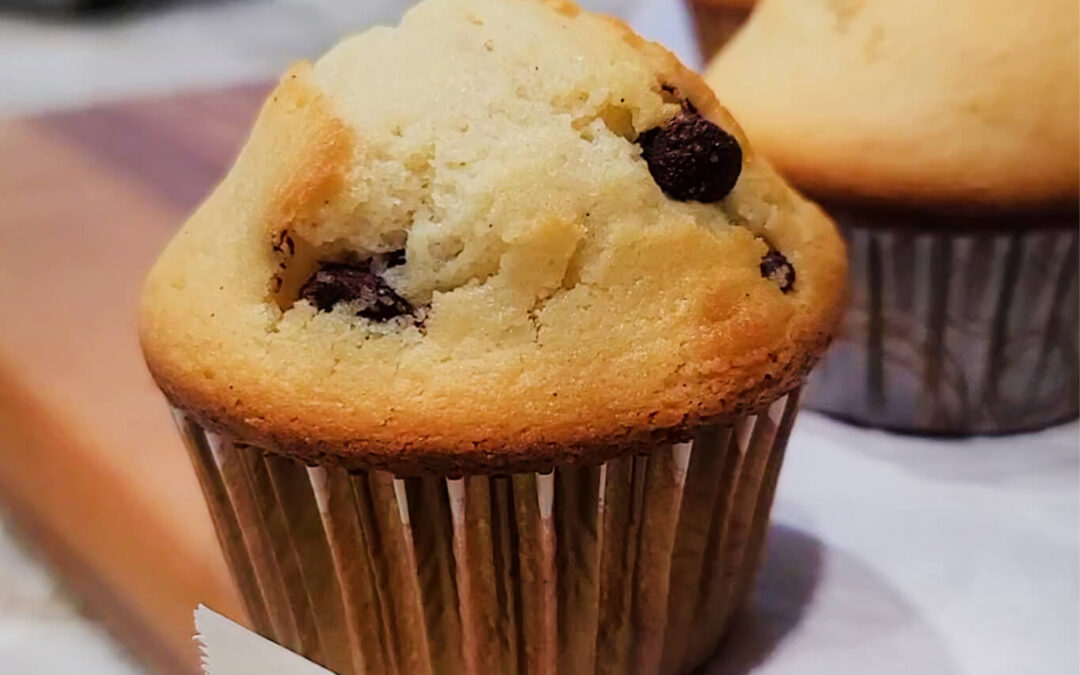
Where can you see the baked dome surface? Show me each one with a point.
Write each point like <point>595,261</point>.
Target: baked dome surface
<point>523,290</point>
<point>965,103</point>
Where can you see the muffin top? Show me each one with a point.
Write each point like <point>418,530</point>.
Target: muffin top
<point>965,103</point>
<point>504,234</point>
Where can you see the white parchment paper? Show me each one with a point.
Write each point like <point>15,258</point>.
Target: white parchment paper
<point>894,555</point>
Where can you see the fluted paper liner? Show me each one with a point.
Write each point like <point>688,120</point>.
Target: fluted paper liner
<point>956,332</point>
<point>633,566</point>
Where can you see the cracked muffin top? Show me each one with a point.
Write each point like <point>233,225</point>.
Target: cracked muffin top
<point>503,234</point>
<point>970,104</point>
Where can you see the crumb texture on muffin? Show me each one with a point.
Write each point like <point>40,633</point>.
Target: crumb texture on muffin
<point>969,103</point>
<point>444,244</point>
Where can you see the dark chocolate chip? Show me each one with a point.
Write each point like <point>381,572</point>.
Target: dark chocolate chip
<point>336,282</point>
<point>395,258</point>
<point>775,267</point>
<point>692,159</point>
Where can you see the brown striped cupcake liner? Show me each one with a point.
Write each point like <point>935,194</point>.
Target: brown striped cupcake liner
<point>955,331</point>
<point>632,566</point>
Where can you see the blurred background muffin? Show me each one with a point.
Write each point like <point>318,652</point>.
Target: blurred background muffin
<point>715,21</point>
<point>943,139</point>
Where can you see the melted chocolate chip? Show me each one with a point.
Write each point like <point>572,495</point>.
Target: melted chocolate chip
<point>336,282</point>
<point>692,159</point>
<point>775,267</point>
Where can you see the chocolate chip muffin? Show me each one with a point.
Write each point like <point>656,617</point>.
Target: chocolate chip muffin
<point>715,21</point>
<point>487,348</point>
<point>944,140</point>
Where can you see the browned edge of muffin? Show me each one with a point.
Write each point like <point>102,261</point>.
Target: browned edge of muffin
<point>535,452</point>
<point>949,216</point>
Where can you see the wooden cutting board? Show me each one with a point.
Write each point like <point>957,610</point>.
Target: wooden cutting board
<point>91,468</point>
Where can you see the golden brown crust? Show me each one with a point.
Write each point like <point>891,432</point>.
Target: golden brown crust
<point>969,104</point>
<point>857,178</point>
<point>322,175</point>
<point>661,352</point>
<point>429,452</point>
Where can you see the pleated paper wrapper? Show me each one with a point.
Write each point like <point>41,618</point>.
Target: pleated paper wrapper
<point>956,332</point>
<point>632,566</point>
